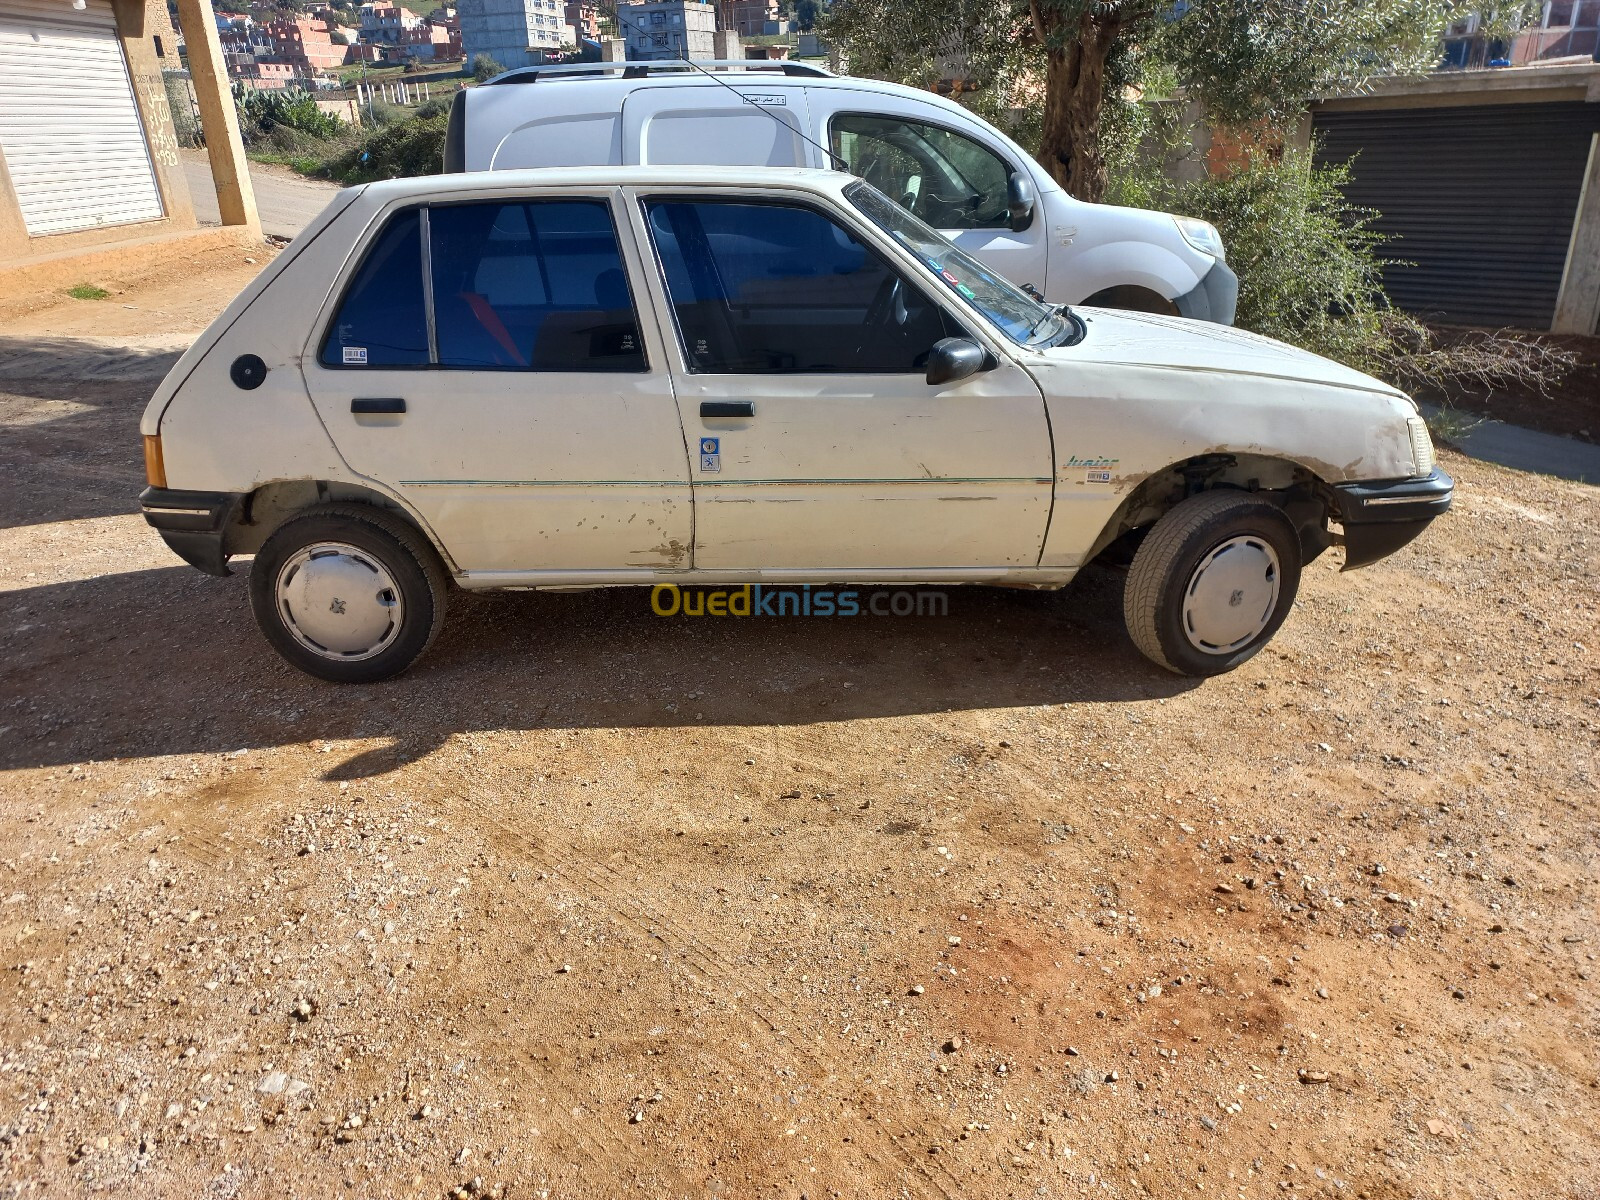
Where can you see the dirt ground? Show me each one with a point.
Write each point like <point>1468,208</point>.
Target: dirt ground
<point>594,903</point>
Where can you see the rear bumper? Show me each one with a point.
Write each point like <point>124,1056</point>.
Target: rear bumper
<point>194,525</point>
<point>1214,298</point>
<point>1381,516</point>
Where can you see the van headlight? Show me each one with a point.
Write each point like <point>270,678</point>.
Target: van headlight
<point>1203,236</point>
<point>1421,447</point>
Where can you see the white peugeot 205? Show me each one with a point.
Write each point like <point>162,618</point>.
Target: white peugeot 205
<point>601,376</point>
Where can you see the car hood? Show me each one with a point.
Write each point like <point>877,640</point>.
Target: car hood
<point>1149,340</point>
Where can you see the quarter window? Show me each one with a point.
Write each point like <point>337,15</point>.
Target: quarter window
<point>946,178</point>
<point>532,285</point>
<point>383,321</point>
<point>774,288</point>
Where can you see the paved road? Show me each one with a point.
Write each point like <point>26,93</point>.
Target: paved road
<point>1529,450</point>
<point>286,201</point>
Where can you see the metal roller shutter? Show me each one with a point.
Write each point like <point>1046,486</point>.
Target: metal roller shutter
<point>1480,200</point>
<point>69,126</point>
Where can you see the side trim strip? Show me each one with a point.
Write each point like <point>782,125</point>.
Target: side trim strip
<point>678,483</point>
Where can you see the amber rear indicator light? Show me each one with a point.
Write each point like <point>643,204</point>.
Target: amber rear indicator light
<point>155,471</point>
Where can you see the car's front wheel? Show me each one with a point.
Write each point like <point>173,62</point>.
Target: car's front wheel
<point>350,594</point>
<point>1212,582</point>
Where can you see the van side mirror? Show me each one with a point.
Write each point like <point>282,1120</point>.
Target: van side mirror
<point>953,359</point>
<point>1019,201</point>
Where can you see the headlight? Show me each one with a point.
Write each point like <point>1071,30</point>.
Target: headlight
<point>1421,447</point>
<point>1202,235</point>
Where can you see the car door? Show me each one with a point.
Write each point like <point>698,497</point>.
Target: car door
<point>820,447</point>
<point>485,361</point>
<point>952,179</point>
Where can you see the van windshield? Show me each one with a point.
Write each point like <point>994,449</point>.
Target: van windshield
<point>1020,317</point>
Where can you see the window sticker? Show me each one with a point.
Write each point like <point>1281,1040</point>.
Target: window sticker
<point>355,355</point>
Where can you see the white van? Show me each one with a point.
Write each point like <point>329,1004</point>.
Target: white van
<point>951,168</point>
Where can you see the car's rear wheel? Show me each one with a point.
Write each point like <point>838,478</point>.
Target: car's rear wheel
<point>349,594</point>
<point>1212,582</point>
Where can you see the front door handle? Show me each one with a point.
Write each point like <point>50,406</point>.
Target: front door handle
<point>378,404</point>
<point>727,408</point>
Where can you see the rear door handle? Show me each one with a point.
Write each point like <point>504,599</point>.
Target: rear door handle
<point>727,408</point>
<point>378,404</point>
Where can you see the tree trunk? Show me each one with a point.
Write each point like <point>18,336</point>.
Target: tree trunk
<point>1074,96</point>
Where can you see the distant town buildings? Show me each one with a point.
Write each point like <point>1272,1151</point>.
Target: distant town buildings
<point>305,50</point>
<point>512,31</point>
<point>665,29</point>
<point>749,18</point>
<point>584,17</point>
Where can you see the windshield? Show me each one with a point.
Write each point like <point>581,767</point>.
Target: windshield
<point>1020,317</point>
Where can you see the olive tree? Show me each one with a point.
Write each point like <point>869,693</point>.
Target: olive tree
<point>1247,60</point>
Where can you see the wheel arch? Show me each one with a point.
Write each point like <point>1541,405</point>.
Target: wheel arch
<point>269,505</point>
<point>1305,497</point>
<point>1133,297</point>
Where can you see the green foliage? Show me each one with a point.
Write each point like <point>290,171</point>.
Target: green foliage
<point>1306,258</point>
<point>485,67</point>
<point>260,113</point>
<point>87,291</point>
<point>1070,61</point>
<point>397,150</point>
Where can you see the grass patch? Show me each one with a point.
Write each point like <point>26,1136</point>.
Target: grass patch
<point>87,291</point>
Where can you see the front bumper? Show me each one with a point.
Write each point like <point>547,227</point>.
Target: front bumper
<point>1214,298</point>
<point>194,525</point>
<point>1380,516</point>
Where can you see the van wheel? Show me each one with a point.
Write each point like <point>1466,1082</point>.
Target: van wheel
<point>1132,298</point>
<point>1212,582</point>
<point>350,594</point>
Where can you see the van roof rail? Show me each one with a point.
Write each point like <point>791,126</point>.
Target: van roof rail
<point>640,69</point>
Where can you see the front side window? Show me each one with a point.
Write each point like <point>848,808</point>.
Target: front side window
<point>761,288</point>
<point>944,177</point>
<point>533,285</point>
<point>1016,314</point>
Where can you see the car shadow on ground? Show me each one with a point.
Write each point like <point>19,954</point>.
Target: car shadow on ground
<point>168,661</point>
<point>69,427</point>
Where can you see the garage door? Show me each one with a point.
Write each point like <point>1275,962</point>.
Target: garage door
<point>1479,201</point>
<point>69,127</point>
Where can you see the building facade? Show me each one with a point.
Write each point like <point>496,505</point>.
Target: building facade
<point>667,29</point>
<point>88,152</point>
<point>306,43</point>
<point>1567,30</point>
<point>584,17</point>
<point>750,18</point>
<point>511,31</point>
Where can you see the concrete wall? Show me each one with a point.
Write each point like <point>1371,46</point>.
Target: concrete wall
<point>150,93</point>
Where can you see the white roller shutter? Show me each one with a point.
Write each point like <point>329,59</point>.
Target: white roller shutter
<point>69,126</point>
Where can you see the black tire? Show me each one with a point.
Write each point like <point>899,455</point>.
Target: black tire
<point>397,547</point>
<point>1165,569</point>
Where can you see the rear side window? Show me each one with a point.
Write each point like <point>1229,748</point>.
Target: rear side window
<point>536,285</point>
<point>383,321</point>
<point>531,285</point>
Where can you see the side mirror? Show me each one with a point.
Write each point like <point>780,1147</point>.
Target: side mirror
<point>953,359</point>
<point>1019,201</point>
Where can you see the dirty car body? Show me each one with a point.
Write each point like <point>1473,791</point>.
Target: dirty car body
<point>588,377</point>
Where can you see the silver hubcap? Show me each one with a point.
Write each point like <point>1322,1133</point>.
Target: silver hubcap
<point>1231,595</point>
<point>339,602</point>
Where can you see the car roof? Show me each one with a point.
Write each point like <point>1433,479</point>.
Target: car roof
<point>540,178</point>
<point>632,75</point>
